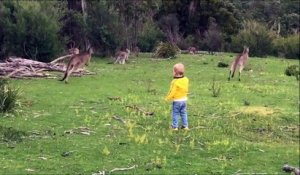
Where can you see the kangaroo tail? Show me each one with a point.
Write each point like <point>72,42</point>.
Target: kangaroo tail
<point>65,76</point>
<point>66,72</point>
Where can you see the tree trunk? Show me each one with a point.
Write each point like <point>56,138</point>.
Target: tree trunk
<point>80,6</point>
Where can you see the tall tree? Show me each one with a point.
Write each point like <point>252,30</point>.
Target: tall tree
<point>75,23</point>
<point>281,16</point>
<point>132,16</point>
<point>193,15</point>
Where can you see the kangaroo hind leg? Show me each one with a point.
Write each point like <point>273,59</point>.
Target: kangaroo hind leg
<point>68,73</point>
<point>240,71</point>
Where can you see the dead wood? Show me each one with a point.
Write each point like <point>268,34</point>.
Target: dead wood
<point>24,68</point>
<point>140,110</point>
<point>119,119</point>
<point>61,58</point>
<point>80,130</point>
<point>123,169</point>
<point>114,98</point>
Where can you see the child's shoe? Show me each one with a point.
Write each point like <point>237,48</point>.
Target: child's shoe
<point>173,128</point>
<point>185,128</point>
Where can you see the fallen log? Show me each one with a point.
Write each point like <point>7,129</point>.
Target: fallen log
<point>61,58</point>
<point>140,110</point>
<point>23,68</point>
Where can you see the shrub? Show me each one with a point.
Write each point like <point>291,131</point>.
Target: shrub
<point>166,50</point>
<point>246,103</point>
<point>187,42</point>
<point>256,36</point>
<point>222,64</point>
<point>216,89</point>
<point>10,134</point>
<point>213,37</point>
<point>247,67</point>
<point>149,36</point>
<point>288,47</point>
<point>293,70</point>
<point>8,97</point>
<point>29,30</point>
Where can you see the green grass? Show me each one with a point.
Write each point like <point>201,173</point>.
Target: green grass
<point>251,127</point>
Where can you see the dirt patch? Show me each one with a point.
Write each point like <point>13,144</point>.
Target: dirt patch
<point>258,110</point>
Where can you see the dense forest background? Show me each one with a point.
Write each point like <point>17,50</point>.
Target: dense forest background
<point>44,30</point>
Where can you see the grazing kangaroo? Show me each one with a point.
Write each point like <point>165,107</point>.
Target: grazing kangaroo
<point>122,57</point>
<point>77,61</point>
<point>192,50</point>
<point>240,62</point>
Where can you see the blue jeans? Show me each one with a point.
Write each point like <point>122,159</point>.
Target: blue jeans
<point>179,109</point>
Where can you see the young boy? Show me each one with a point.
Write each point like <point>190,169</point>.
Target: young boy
<point>178,94</point>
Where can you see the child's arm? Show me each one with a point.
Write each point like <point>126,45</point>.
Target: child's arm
<point>171,93</point>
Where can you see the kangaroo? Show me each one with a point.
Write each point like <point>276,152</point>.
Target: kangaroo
<point>77,61</point>
<point>122,57</point>
<point>240,62</point>
<point>192,50</point>
<point>73,50</point>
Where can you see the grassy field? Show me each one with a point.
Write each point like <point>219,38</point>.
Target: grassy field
<point>251,127</point>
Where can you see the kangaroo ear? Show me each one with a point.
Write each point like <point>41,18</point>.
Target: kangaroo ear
<point>91,50</point>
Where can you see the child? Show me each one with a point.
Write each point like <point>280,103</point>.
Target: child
<point>178,94</point>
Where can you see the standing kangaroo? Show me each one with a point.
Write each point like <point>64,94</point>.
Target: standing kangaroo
<point>240,62</point>
<point>122,57</point>
<point>77,61</point>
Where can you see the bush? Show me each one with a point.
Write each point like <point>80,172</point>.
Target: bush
<point>293,70</point>
<point>222,64</point>
<point>9,134</point>
<point>215,88</point>
<point>247,67</point>
<point>288,47</point>
<point>166,50</point>
<point>257,37</point>
<point>149,36</point>
<point>187,42</point>
<point>213,39</point>
<point>8,97</point>
<point>29,30</point>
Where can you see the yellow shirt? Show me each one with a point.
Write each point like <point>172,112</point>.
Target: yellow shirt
<point>179,89</point>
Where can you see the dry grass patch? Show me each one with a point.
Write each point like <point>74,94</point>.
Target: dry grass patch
<point>258,110</point>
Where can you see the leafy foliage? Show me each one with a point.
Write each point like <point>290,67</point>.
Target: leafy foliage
<point>222,64</point>
<point>288,47</point>
<point>256,36</point>
<point>103,29</point>
<point>9,134</point>
<point>42,29</point>
<point>30,31</point>
<point>213,37</point>
<point>215,88</point>
<point>149,37</point>
<point>8,96</point>
<point>293,70</point>
<point>166,50</point>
